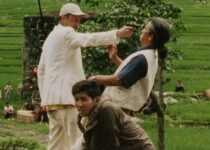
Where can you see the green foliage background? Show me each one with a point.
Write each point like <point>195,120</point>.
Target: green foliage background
<point>116,16</point>
<point>193,70</point>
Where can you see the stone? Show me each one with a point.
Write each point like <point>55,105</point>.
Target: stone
<point>170,100</point>
<point>193,99</point>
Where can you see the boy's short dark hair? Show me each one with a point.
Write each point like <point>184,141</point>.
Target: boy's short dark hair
<point>90,87</point>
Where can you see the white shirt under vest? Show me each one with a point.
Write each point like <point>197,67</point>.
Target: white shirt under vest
<point>134,97</point>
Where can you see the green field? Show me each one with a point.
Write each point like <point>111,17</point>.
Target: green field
<point>194,68</point>
<point>187,126</point>
<point>181,137</point>
<point>11,35</point>
<point>194,42</point>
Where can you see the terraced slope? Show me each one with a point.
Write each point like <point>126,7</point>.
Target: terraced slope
<point>11,35</point>
<point>194,69</point>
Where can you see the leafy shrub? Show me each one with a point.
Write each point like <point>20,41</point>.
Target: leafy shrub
<point>117,15</point>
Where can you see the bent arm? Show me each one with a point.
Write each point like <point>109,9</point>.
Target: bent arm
<point>133,71</point>
<point>112,52</point>
<point>111,80</point>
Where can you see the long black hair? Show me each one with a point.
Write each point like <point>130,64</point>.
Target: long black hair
<point>161,32</point>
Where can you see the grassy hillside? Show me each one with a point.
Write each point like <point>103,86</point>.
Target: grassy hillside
<point>194,69</point>
<point>11,33</point>
<point>187,126</point>
<point>11,36</point>
<point>187,123</point>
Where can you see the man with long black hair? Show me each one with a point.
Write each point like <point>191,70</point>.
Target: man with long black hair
<point>132,82</point>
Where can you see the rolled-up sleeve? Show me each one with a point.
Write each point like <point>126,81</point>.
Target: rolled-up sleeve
<point>133,71</point>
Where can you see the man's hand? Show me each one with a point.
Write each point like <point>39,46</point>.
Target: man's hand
<point>126,31</point>
<point>92,78</point>
<point>112,52</point>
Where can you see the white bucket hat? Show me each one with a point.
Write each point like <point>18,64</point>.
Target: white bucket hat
<point>73,9</point>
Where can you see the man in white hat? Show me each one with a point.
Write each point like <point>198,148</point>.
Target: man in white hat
<point>60,67</point>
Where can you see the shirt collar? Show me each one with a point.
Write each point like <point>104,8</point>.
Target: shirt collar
<point>91,120</point>
<point>61,26</point>
<point>94,113</point>
<point>145,48</point>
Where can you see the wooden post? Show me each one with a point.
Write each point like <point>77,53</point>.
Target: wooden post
<point>158,101</point>
<point>161,120</point>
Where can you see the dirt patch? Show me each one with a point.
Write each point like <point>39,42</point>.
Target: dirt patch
<point>41,138</point>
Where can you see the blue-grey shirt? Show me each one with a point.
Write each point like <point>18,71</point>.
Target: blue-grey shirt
<point>134,70</point>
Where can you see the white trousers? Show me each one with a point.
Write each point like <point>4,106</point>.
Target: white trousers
<point>63,129</point>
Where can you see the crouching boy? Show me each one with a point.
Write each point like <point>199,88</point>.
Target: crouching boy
<point>104,125</point>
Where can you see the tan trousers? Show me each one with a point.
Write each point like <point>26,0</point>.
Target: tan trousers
<point>63,128</point>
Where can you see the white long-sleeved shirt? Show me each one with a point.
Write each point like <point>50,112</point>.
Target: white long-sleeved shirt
<point>60,64</point>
